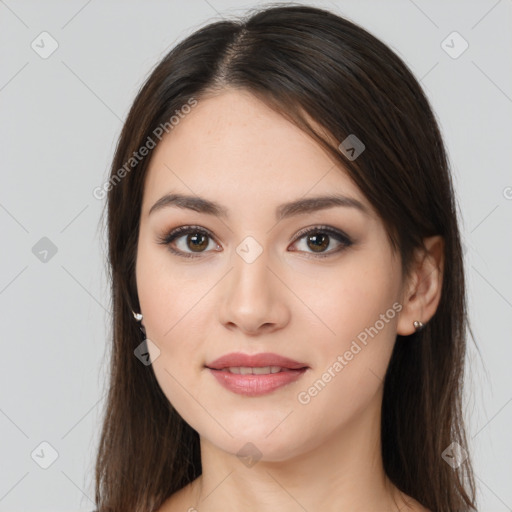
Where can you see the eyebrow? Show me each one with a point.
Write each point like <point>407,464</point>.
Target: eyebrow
<point>297,207</point>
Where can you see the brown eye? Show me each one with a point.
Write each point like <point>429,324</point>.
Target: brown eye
<point>197,242</point>
<point>187,240</point>
<point>320,238</point>
<point>318,243</point>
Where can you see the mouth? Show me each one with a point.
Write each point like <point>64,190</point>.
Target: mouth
<point>256,370</point>
<point>258,364</point>
<point>255,375</point>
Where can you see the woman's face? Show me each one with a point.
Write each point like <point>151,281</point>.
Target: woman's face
<point>258,283</point>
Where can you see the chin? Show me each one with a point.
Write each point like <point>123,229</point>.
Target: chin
<point>262,442</point>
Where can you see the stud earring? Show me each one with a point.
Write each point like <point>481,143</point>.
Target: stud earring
<point>418,325</point>
<point>138,317</point>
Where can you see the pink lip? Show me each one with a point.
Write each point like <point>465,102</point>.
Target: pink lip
<point>255,360</point>
<point>255,385</point>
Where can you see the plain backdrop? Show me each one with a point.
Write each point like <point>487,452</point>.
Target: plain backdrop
<point>60,118</point>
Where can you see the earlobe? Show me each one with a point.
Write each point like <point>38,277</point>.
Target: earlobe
<point>139,318</point>
<point>424,287</point>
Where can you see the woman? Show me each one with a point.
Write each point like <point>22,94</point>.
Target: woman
<point>289,307</point>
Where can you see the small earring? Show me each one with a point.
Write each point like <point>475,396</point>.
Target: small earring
<point>138,317</point>
<point>418,325</point>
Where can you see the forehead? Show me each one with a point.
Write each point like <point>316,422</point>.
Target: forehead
<point>234,145</point>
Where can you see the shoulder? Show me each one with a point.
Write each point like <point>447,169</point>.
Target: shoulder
<point>414,506</point>
<point>180,501</point>
<point>409,504</point>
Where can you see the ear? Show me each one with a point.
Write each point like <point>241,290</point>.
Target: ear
<point>422,291</point>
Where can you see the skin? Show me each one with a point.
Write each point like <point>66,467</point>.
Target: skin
<point>323,455</point>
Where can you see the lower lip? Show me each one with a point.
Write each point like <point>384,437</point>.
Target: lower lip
<point>255,385</point>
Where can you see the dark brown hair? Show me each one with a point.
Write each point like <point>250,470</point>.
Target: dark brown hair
<point>333,79</point>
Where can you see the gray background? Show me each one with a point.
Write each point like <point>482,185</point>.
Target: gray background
<point>60,119</point>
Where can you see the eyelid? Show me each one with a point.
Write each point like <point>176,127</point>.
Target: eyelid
<point>321,228</point>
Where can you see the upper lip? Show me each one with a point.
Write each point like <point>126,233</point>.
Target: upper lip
<point>238,359</point>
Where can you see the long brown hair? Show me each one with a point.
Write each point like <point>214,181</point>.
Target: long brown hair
<point>318,70</point>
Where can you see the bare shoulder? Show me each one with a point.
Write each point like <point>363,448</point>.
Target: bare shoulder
<point>421,508</point>
<point>411,505</point>
<point>172,504</point>
<point>180,501</point>
<point>418,507</point>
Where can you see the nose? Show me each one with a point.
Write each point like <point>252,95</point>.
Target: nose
<point>253,300</point>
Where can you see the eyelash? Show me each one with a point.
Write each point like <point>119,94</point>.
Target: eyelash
<point>338,235</point>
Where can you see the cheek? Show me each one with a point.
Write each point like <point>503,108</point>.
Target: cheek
<point>171,297</point>
<point>353,332</point>
<point>177,315</point>
<point>351,366</point>
<point>345,300</point>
